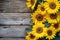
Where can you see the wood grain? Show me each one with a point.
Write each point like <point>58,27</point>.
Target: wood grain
<point>13,31</point>
<point>15,6</point>
<point>12,39</point>
<point>15,18</point>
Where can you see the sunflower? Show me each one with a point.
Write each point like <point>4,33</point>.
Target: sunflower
<point>52,6</point>
<point>39,30</point>
<point>31,3</point>
<point>58,13</point>
<point>41,7</point>
<point>38,17</point>
<point>52,18</point>
<point>30,36</point>
<point>50,33</point>
<point>56,26</point>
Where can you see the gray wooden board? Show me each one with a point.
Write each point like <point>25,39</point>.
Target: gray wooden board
<point>16,12</point>
<point>15,18</point>
<point>13,6</point>
<point>12,39</point>
<point>13,31</point>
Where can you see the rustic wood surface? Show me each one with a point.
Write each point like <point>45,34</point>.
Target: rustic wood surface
<point>14,20</point>
<point>14,6</point>
<point>13,31</point>
<point>12,39</point>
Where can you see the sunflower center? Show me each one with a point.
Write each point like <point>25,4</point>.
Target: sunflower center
<point>49,32</point>
<point>42,8</point>
<point>53,16</point>
<point>52,5</point>
<point>32,36</point>
<point>39,17</point>
<point>39,30</point>
<point>32,2</point>
<point>56,25</point>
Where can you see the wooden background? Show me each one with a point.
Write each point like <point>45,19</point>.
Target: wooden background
<point>14,19</point>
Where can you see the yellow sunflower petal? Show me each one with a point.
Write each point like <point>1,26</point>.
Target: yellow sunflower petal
<point>51,0</point>
<point>52,6</point>
<point>31,3</point>
<point>56,26</point>
<point>58,13</point>
<point>39,30</point>
<point>38,17</point>
<point>50,33</point>
<point>52,18</point>
<point>41,8</point>
<point>30,36</point>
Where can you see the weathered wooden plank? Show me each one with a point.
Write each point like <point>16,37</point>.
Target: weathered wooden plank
<point>13,31</point>
<point>13,6</point>
<point>12,39</point>
<point>15,18</point>
<point>1,5</point>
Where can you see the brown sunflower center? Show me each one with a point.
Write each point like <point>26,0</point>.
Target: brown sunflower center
<point>32,2</point>
<point>56,25</point>
<point>39,17</point>
<point>39,30</point>
<point>52,5</point>
<point>53,16</point>
<point>49,32</point>
<point>42,8</point>
<point>32,36</point>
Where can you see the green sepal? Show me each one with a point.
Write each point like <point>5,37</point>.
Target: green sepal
<point>27,30</point>
<point>47,24</point>
<point>31,22</point>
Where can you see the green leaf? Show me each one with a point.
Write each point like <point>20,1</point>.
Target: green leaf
<point>40,0</point>
<point>47,24</point>
<point>31,22</point>
<point>27,30</point>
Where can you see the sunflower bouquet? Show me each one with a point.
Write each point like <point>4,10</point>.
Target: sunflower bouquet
<point>45,20</point>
